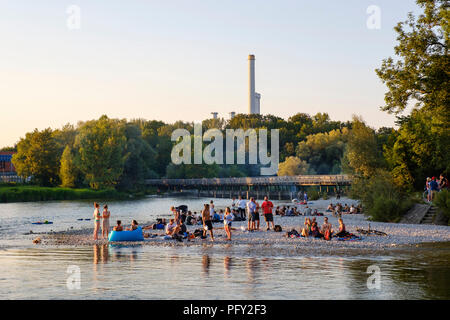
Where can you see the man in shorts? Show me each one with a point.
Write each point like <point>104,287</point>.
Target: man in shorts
<point>252,217</point>
<point>267,207</point>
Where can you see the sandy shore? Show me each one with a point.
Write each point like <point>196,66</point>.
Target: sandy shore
<point>397,234</point>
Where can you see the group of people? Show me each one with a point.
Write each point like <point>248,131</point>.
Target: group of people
<point>433,185</point>
<point>338,209</point>
<point>252,210</point>
<point>326,232</point>
<point>293,211</point>
<point>240,209</point>
<point>104,217</point>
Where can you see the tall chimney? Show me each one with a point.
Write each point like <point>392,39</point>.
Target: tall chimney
<point>251,84</point>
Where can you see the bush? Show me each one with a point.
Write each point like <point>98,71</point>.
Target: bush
<point>442,201</point>
<point>381,199</point>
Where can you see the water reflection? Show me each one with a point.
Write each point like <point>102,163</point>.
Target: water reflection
<point>206,262</point>
<point>227,266</point>
<point>101,253</point>
<point>234,273</point>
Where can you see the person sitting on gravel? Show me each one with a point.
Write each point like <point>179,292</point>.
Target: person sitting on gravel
<point>306,230</point>
<point>330,207</point>
<point>346,209</point>
<point>315,231</point>
<point>326,226</point>
<point>190,220</point>
<point>118,227</point>
<point>308,211</point>
<point>170,228</point>
<point>342,232</point>
<point>353,210</point>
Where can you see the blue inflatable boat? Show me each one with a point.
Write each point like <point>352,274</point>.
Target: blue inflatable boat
<point>135,235</point>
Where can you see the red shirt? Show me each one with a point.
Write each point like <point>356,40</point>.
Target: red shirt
<point>267,207</point>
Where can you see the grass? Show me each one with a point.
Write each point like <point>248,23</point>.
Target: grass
<point>25,193</point>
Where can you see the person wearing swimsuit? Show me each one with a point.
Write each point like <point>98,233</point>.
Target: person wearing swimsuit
<point>97,218</point>
<point>228,218</point>
<point>105,222</point>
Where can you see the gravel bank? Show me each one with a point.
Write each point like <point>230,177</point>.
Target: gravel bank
<point>398,234</point>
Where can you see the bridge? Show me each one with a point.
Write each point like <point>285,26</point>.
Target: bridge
<point>286,187</point>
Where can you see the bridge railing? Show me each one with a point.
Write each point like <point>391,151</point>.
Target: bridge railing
<point>285,180</point>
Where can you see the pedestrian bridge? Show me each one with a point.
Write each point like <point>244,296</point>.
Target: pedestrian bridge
<point>287,187</point>
<point>301,180</point>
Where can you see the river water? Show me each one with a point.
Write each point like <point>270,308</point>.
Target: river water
<point>209,271</point>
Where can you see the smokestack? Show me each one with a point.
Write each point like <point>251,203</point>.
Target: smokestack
<point>251,84</point>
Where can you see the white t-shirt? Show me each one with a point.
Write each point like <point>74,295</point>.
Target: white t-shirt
<point>242,203</point>
<point>228,219</point>
<point>251,206</point>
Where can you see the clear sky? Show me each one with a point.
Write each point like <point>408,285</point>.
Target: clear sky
<point>182,59</point>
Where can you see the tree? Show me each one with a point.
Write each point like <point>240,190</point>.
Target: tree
<point>68,172</point>
<point>292,166</point>
<point>422,71</point>
<point>323,151</point>
<point>38,157</point>
<point>140,158</point>
<point>420,75</point>
<point>362,155</point>
<point>100,144</point>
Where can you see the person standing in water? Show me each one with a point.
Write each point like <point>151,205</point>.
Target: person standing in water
<point>97,218</point>
<point>207,224</point>
<point>228,218</point>
<point>105,222</point>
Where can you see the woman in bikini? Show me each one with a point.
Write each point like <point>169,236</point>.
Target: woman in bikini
<point>105,222</point>
<point>97,218</point>
<point>228,218</point>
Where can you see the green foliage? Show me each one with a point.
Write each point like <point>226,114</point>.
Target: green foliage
<point>100,144</point>
<point>314,194</point>
<point>38,157</point>
<point>292,166</point>
<point>362,156</point>
<point>323,151</point>
<point>420,76</point>
<point>382,200</point>
<point>68,171</point>
<point>35,193</point>
<point>421,72</point>
<point>442,201</point>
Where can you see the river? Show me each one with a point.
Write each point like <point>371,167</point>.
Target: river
<point>209,271</point>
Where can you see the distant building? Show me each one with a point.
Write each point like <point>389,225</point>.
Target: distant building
<point>232,114</point>
<point>214,114</point>
<point>6,166</point>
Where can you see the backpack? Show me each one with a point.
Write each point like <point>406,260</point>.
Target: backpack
<point>278,228</point>
<point>327,235</point>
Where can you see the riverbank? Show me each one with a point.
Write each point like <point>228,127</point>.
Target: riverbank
<point>25,193</point>
<point>398,235</point>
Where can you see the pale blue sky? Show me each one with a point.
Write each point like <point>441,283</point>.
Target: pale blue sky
<point>180,60</point>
